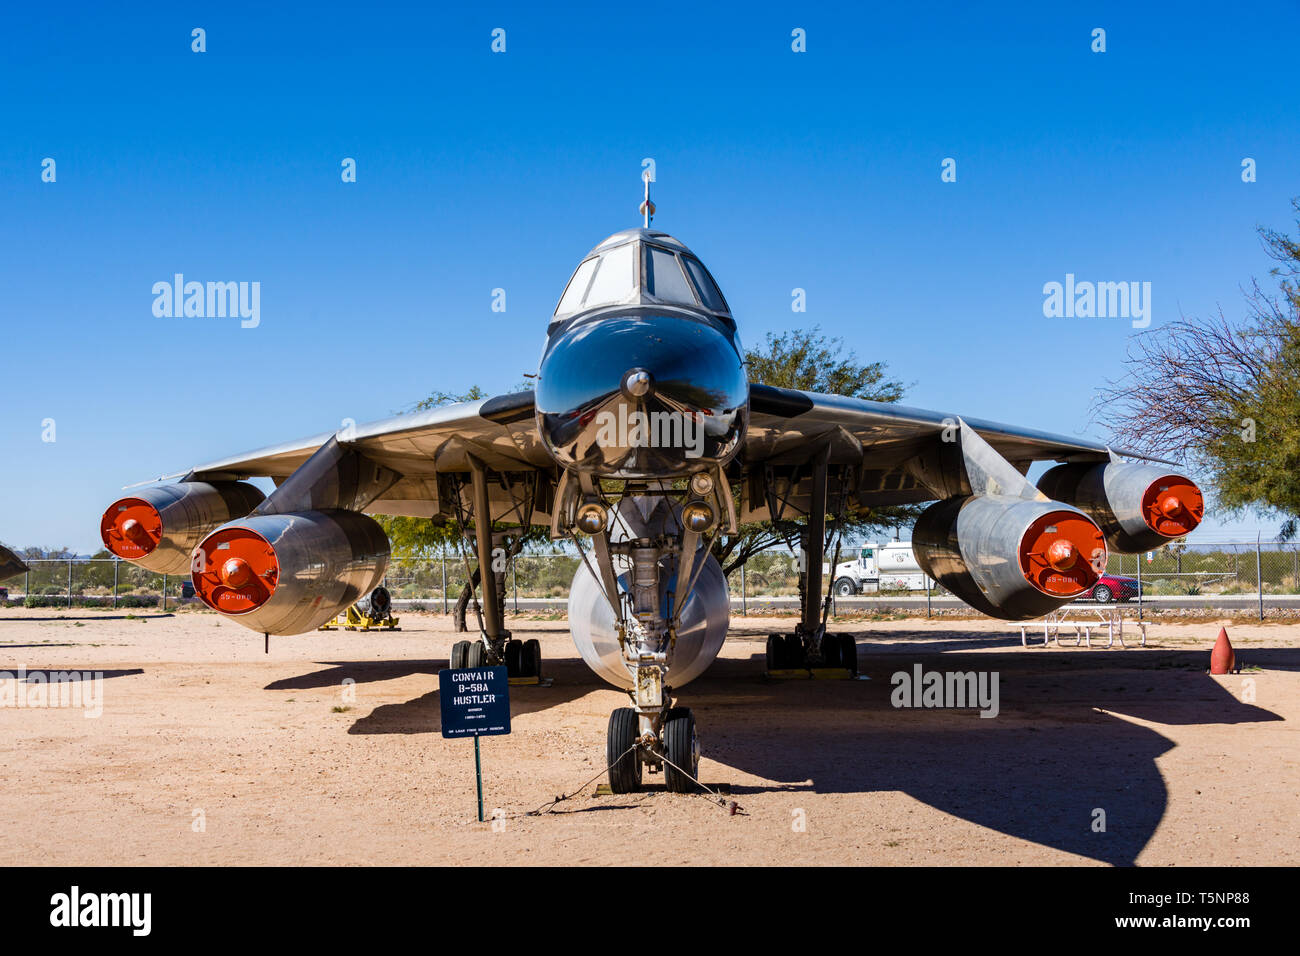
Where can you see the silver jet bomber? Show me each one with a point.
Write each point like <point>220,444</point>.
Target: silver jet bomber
<point>643,441</point>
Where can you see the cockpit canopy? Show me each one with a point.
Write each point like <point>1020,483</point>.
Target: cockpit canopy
<point>641,267</point>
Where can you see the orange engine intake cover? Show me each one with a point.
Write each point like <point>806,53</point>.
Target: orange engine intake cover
<point>1173,506</point>
<point>235,571</point>
<point>131,528</point>
<point>1062,553</point>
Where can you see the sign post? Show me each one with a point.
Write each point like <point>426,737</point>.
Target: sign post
<point>475,702</point>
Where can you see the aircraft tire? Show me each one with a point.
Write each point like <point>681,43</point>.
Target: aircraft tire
<point>625,767</point>
<point>849,653</point>
<point>831,650</point>
<point>775,655</point>
<point>682,747</point>
<point>459,655</point>
<point>477,655</point>
<point>792,644</point>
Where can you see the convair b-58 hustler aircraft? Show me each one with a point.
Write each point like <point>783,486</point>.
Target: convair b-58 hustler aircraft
<point>643,441</point>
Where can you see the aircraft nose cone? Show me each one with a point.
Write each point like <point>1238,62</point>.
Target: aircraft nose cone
<point>133,530</point>
<point>1170,506</point>
<point>637,383</point>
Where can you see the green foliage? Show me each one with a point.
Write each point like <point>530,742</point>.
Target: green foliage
<point>439,398</point>
<point>428,537</point>
<point>1225,395</point>
<point>810,361</point>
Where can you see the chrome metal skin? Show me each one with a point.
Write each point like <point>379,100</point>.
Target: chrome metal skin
<point>327,561</point>
<point>971,546</point>
<point>1112,494</point>
<point>188,511</point>
<point>700,633</point>
<point>642,393</point>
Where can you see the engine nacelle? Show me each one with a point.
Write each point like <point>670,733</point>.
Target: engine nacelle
<point>290,573</point>
<point>701,631</point>
<point>159,527</point>
<point>1139,507</point>
<point>1011,558</point>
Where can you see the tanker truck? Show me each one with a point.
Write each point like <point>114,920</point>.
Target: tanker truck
<point>879,567</point>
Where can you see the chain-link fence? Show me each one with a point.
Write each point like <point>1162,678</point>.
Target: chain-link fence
<point>65,582</point>
<point>1175,573</point>
<point>1232,568</point>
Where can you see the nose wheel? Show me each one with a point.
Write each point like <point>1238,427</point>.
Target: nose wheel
<point>682,748</point>
<point>622,753</point>
<point>677,750</point>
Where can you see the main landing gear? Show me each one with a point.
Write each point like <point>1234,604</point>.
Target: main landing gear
<point>521,658</point>
<point>789,652</point>
<point>810,646</point>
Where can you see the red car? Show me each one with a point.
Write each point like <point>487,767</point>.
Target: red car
<point>1112,587</point>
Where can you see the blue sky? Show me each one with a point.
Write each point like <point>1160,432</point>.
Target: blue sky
<point>478,170</point>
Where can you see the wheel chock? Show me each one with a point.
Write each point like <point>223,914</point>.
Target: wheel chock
<point>603,790</point>
<point>813,673</point>
<point>531,681</point>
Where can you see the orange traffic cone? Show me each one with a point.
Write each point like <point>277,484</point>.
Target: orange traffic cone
<point>1222,658</point>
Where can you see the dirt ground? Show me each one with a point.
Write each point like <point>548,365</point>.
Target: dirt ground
<point>209,751</point>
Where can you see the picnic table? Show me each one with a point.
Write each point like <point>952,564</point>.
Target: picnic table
<point>1083,619</point>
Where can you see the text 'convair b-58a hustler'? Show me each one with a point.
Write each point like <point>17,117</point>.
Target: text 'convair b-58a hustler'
<point>643,441</point>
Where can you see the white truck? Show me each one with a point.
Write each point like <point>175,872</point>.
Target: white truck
<point>879,567</point>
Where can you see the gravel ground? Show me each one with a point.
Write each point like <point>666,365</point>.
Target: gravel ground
<point>327,751</point>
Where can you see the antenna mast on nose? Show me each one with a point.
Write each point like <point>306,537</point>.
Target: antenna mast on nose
<point>647,207</point>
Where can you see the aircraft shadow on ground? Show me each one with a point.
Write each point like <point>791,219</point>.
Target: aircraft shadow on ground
<point>422,715</point>
<point>46,672</point>
<point>1060,749</point>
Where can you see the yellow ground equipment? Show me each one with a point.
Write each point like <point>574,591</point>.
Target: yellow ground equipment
<point>372,613</point>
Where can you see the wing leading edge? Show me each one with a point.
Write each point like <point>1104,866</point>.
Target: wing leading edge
<point>498,431</point>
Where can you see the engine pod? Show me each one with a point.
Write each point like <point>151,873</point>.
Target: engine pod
<point>1011,558</point>
<point>1137,506</point>
<point>701,630</point>
<point>290,573</point>
<point>158,528</point>
<point>705,614</point>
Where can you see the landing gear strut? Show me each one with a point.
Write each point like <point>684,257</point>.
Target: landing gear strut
<point>496,647</point>
<point>811,645</point>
